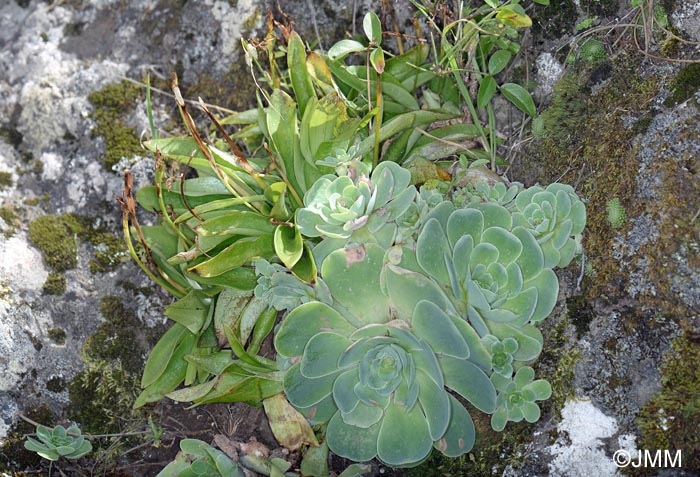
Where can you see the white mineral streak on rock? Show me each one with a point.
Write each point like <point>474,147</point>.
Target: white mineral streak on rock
<point>549,70</point>
<point>581,454</point>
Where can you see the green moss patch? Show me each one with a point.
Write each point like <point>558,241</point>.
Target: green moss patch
<point>101,398</point>
<point>102,395</point>
<point>55,284</point>
<point>671,420</point>
<point>601,161</point>
<point>5,179</point>
<point>56,237</point>
<point>117,339</point>
<point>57,335</point>
<point>685,84</point>
<point>57,242</point>
<point>8,215</point>
<point>112,104</point>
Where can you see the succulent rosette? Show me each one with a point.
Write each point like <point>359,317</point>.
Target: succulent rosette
<point>356,205</point>
<point>516,398</point>
<point>556,217</point>
<point>376,377</point>
<point>58,442</point>
<point>481,192</point>
<point>493,273</point>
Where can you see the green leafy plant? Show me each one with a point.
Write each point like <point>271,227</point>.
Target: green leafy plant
<point>197,458</point>
<point>52,444</point>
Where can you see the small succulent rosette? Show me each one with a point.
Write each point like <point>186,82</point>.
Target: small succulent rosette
<point>52,444</point>
<point>355,205</point>
<point>516,398</point>
<point>556,217</point>
<point>197,458</point>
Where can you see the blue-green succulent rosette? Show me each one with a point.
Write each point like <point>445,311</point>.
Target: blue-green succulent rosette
<point>490,272</point>
<point>375,377</point>
<point>356,207</point>
<point>516,398</point>
<point>556,217</point>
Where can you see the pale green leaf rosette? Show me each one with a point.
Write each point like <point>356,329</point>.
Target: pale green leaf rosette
<point>516,398</point>
<point>493,273</point>
<point>58,442</point>
<point>483,192</point>
<point>501,354</point>
<point>197,458</point>
<point>356,206</point>
<point>556,217</point>
<point>375,379</point>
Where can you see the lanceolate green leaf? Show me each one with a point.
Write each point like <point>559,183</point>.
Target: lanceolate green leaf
<point>296,62</point>
<point>173,374</point>
<point>189,311</point>
<point>519,96</point>
<point>161,353</point>
<point>233,256</point>
<point>282,124</point>
<point>487,89</point>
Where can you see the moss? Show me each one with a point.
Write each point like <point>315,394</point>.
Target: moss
<point>8,215</point>
<point>57,243</point>
<point>57,335</point>
<point>101,398</point>
<point>671,419</point>
<point>5,179</point>
<point>55,237</point>
<point>253,20</point>
<point>55,284</point>
<point>102,395</point>
<point>116,340</point>
<point>600,160</point>
<point>110,251</point>
<point>13,456</point>
<point>33,201</point>
<point>111,104</point>
<point>57,384</point>
<point>684,85</point>
<point>131,286</point>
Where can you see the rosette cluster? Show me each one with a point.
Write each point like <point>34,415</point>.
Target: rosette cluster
<point>357,205</point>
